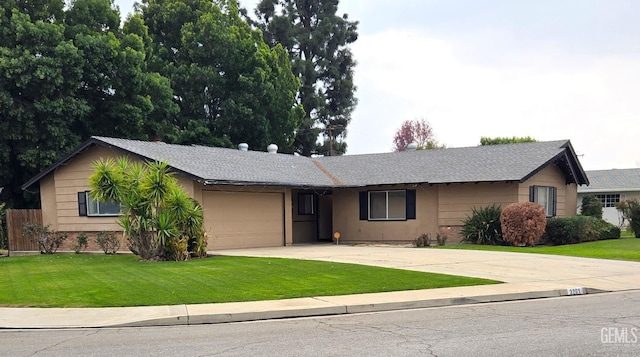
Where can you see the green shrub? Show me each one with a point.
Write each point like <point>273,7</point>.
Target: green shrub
<point>108,242</point>
<point>48,240</point>
<point>591,206</point>
<point>483,226</point>
<point>177,248</point>
<point>577,229</point>
<point>607,230</point>
<point>81,243</point>
<point>523,223</point>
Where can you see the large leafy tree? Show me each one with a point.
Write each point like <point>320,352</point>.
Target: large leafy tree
<point>317,40</point>
<point>66,75</point>
<point>230,86</point>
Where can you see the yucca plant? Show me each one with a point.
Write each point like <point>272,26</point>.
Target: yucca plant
<point>483,226</point>
<point>158,216</point>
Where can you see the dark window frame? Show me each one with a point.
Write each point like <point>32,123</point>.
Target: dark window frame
<point>410,206</point>
<point>84,206</point>
<point>551,196</point>
<point>303,206</point>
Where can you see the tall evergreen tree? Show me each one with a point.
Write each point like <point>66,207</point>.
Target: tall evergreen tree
<point>230,86</point>
<point>317,40</point>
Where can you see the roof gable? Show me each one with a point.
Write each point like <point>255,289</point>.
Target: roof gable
<point>491,163</point>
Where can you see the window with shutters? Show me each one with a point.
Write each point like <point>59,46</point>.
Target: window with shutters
<point>387,205</point>
<point>544,196</point>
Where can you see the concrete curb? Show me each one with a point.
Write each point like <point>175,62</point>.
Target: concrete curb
<point>60,318</point>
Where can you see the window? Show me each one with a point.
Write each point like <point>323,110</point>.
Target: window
<point>87,206</point>
<point>609,200</point>
<point>544,196</point>
<point>396,205</point>
<point>305,204</point>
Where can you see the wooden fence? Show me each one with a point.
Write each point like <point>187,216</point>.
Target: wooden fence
<point>16,218</point>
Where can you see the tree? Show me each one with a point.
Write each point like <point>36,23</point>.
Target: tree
<point>417,131</point>
<point>159,219</point>
<point>230,86</point>
<point>630,211</point>
<point>506,140</point>
<point>591,206</point>
<point>317,41</point>
<point>67,75</point>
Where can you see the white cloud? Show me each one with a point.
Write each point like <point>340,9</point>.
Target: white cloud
<point>408,73</point>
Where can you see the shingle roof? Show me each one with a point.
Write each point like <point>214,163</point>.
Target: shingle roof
<point>512,162</point>
<point>612,180</point>
<point>222,165</point>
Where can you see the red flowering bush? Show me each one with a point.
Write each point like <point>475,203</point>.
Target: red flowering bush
<point>523,223</point>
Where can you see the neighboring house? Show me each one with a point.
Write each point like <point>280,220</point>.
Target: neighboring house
<point>259,199</point>
<point>611,187</point>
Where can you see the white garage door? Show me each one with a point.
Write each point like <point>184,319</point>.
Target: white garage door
<point>243,220</point>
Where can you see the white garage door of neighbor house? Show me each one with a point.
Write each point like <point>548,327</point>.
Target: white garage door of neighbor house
<point>243,220</point>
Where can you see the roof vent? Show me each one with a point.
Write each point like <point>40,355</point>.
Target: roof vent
<point>412,147</point>
<point>243,147</point>
<point>272,149</point>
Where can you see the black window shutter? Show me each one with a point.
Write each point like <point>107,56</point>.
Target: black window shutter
<point>554,195</point>
<point>532,193</point>
<point>364,205</point>
<point>411,204</point>
<point>82,203</point>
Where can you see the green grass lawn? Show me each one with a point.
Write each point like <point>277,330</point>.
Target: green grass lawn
<point>85,280</point>
<point>618,249</point>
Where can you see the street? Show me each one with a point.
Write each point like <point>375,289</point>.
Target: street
<point>605,324</point>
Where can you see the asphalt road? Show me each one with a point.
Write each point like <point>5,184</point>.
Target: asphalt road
<point>591,325</point>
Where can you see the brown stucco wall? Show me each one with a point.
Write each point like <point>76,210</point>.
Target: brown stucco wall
<point>346,217</point>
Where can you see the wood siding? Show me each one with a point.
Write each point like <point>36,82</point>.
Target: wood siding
<point>456,201</point>
<point>554,177</point>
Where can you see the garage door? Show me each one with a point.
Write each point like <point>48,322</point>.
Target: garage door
<point>243,220</point>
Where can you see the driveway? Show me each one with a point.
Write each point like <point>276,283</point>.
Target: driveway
<point>525,269</point>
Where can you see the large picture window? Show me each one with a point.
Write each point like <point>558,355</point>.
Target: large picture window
<point>545,196</point>
<point>87,206</point>
<point>387,205</point>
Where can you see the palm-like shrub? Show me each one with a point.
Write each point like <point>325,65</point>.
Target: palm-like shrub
<point>523,223</point>
<point>483,226</point>
<point>157,214</point>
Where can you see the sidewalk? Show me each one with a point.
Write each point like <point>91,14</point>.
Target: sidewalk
<point>526,276</point>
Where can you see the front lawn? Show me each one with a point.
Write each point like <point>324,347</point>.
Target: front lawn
<point>618,249</point>
<point>85,280</point>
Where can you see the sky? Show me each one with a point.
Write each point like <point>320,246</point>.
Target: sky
<point>549,69</point>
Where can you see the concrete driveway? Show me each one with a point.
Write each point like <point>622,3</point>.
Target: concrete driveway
<point>536,271</point>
